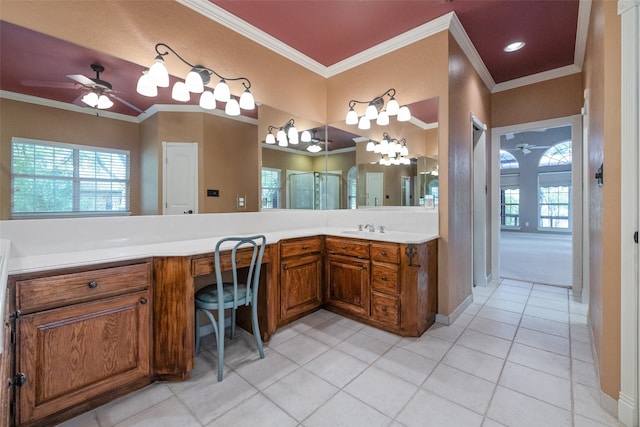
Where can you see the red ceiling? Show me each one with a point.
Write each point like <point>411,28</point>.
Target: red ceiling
<point>331,31</point>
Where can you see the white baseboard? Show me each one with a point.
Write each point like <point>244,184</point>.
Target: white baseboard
<point>448,320</point>
<point>626,409</point>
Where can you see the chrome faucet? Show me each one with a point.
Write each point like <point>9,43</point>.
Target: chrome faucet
<point>370,227</point>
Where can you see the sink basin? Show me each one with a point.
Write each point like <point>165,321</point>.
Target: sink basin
<point>357,232</point>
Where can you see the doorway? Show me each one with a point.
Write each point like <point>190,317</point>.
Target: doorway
<point>180,178</point>
<point>374,182</point>
<point>479,221</point>
<point>540,201</point>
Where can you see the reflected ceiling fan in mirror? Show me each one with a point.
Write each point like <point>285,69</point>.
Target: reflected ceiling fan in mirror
<point>315,145</point>
<point>527,148</point>
<point>96,93</point>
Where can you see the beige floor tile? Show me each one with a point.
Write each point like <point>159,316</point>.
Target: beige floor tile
<point>364,347</point>
<point>542,360</point>
<point>473,308</point>
<point>169,413</point>
<point>427,409</point>
<point>488,422</point>
<point>548,295</point>
<point>337,367</point>
<point>445,332</point>
<point>581,351</point>
<point>500,315</point>
<point>543,341</point>
<point>559,305</point>
<point>329,333</point>
<point>344,410</point>
<point>584,373</point>
<point>261,373</point>
<point>381,335</point>
<point>562,290</point>
<point>255,411</point>
<point>460,387</point>
<point>586,403</point>
<point>88,419</point>
<point>544,325</point>
<point>516,409</point>
<point>300,393</point>
<point>281,335</point>
<point>406,365</point>
<point>580,421</point>
<point>381,390</point>
<point>503,304</point>
<point>546,313</point>
<point>506,294</point>
<point>474,362</point>
<point>580,333</point>
<point>493,327</point>
<point>301,349</point>
<point>120,409</point>
<point>542,386</point>
<point>523,284</point>
<point>427,346</point>
<point>463,320</point>
<point>485,343</point>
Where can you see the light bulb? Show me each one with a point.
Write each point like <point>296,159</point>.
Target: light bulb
<point>404,115</point>
<point>292,133</point>
<point>158,73</point>
<point>270,139</point>
<point>364,123</point>
<point>306,136</point>
<point>232,108</point>
<point>221,92</point>
<point>246,101</point>
<point>207,101</point>
<point>352,117</point>
<point>371,112</point>
<point>314,148</point>
<point>104,102</point>
<point>193,81</point>
<point>91,99</point>
<point>393,107</point>
<point>383,119</point>
<point>180,92</point>
<point>146,86</point>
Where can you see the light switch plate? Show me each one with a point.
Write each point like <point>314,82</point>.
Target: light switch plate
<point>241,201</point>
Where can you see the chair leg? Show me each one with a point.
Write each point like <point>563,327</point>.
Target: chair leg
<point>233,323</point>
<point>220,337</point>
<point>256,329</point>
<point>197,330</point>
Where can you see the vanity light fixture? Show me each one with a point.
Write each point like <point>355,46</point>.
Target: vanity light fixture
<point>375,112</point>
<point>286,134</point>
<point>392,151</point>
<point>195,82</point>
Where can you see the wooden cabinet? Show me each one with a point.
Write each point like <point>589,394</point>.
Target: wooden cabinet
<point>82,339</point>
<point>300,277</point>
<point>391,286</point>
<point>347,276</point>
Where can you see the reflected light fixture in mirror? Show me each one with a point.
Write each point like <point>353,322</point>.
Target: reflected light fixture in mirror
<point>286,134</point>
<point>392,151</point>
<point>374,111</point>
<point>195,81</point>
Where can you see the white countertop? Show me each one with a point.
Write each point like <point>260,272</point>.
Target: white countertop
<point>25,264</point>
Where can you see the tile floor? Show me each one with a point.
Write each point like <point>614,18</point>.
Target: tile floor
<point>520,355</point>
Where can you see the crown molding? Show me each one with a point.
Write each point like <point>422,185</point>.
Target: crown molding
<point>416,34</point>
<point>221,16</point>
<point>189,108</point>
<point>66,106</point>
<point>537,78</point>
<point>460,35</point>
<point>625,5</point>
<point>584,13</point>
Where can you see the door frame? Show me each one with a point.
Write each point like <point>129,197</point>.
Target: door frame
<point>578,189</point>
<point>165,145</point>
<point>479,163</point>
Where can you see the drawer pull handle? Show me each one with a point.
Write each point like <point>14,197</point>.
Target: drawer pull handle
<point>344,247</point>
<point>286,267</point>
<point>304,248</point>
<point>93,284</point>
<point>383,278</point>
<point>143,301</point>
<point>384,309</point>
<point>383,253</point>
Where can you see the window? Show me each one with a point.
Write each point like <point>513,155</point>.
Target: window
<point>270,188</point>
<point>508,161</point>
<point>352,188</point>
<point>553,202</point>
<point>510,207</point>
<point>557,155</point>
<point>51,178</point>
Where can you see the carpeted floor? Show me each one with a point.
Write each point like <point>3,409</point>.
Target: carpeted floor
<point>539,258</point>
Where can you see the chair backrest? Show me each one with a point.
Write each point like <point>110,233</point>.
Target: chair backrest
<point>256,244</point>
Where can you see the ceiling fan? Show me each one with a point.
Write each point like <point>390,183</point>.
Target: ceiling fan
<point>96,93</point>
<point>315,143</point>
<point>526,148</point>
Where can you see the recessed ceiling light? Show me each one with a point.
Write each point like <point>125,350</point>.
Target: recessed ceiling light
<point>512,47</point>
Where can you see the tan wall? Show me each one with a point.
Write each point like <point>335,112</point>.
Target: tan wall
<point>151,174</point>
<point>342,162</point>
<point>602,81</point>
<point>25,120</point>
<point>561,97</point>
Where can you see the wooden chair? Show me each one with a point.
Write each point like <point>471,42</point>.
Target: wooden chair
<point>234,294</point>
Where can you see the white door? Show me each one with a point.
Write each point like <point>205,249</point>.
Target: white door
<point>479,206</point>
<point>180,178</point>
<point>374,188</point>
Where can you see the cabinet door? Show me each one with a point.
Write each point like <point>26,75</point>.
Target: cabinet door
<point>348,284</point>
<point>300,285</point>
<point>74,353</point>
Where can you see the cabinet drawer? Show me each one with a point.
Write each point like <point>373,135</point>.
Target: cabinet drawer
<point>296,247</point>
<point>384,278</point>
<point>385,253</point>
<point>385,308</point>
<point>349,247</point>
<point>65,289</point>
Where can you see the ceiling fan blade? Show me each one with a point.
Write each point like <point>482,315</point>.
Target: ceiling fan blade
<point>41,83</point>
<point>83,80</point>
<point>128,104</point>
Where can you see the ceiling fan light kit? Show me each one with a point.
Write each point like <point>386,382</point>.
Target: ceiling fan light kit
<point>195,82</point>
<point>374,111</point>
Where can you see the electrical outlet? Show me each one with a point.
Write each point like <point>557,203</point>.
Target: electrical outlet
<point>241,201</point>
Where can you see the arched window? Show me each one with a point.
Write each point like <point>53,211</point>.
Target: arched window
<point>557,155</point>
<point>507,161</point>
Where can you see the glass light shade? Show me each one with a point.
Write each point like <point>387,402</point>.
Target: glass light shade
<point>404,115</point>
<point>270,139</point>
<point>194,82</point>
<point>393,107</point>
<point>104,102</point>
<point>434,172</point>
<point>404,151</point>
<point>352,117</point>
<point>406,161</point>
<point>180,92</point>
<point>384,146</point>
<point>314,148</point>
<point>246,101</point>
<point>371,146</point>
<point>292,134</point>
<point>207,101</point>
<point>146,86</point>
<point>377,149</point>
<point>364,123</point>
<point>306,136</point>
<point>383,118</point>
<point>392,147</point>
<point>392,154</point>
<point>371,112</point>
<point>282,138</point>
<point>232,108</point>
<point>221,92</point>
<point>159,74</point>
<point>91,99</point>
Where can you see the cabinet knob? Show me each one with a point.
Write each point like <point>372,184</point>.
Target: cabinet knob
<point>344,247</point>
<point>384,309</point>
<point>143,301</point>
<point>285,267</point>
<point>383,278</point>
<point>304,248</point>
<point>93,284</point>
<point>383,253</point>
